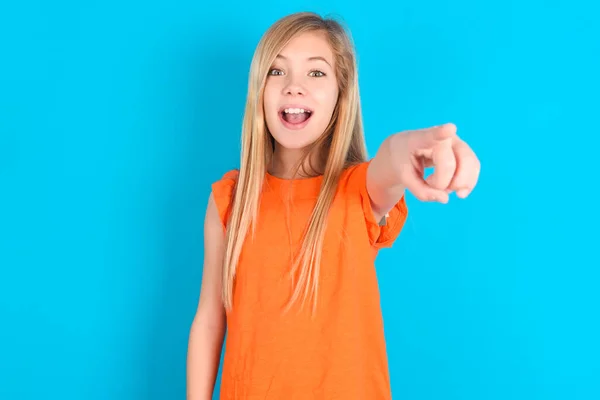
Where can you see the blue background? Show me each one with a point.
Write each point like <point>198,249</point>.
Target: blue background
<point>116,117</point>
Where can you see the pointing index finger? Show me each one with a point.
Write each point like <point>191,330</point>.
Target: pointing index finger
<point>429,137</point>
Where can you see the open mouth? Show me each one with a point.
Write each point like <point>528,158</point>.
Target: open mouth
<point>295,117</point>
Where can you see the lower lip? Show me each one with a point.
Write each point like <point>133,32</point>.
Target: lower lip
<point>294,127</point>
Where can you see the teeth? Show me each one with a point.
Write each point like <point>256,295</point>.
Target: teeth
<point>295,111</point>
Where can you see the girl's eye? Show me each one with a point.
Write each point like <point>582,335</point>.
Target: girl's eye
<point>316,73</point>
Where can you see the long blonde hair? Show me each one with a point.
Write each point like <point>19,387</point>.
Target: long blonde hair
<point>343,142</point>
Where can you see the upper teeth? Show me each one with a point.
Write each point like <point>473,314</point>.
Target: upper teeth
<point>295,110</point>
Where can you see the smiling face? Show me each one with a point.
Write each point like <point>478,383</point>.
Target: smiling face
<point>301,91</point>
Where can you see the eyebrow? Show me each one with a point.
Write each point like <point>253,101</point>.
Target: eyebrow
<point>309,58</point>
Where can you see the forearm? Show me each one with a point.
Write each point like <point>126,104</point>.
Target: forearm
<point>386,167</point>
<point>384,181</point>
<point>204,353</point>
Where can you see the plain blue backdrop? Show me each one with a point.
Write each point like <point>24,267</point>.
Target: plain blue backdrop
<point>116,116</point>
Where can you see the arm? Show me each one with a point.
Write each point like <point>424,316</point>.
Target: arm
<point>383,181</point>
<point>208,327</point>
<point>402,158</point>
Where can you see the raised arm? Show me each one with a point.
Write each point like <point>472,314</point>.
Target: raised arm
<point>400,164</point>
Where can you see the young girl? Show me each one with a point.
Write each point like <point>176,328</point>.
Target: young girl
<point>291,238</point>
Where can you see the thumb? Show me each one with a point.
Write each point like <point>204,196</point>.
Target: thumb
<point>427,138</point>
<point>423,191</point>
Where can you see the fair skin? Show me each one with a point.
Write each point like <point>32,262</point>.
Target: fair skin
<point>301,77</point>
<point>400,162</point>
<point>304,75</point>
<point>208,327</point>
<point>398,166</point>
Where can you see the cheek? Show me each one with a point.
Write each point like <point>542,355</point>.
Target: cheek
<point>327,96</point>
<point>269,105</point>
<point>267,97</point>
<point>271,93</point>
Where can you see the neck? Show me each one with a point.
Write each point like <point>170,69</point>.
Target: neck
<point>285,162</point>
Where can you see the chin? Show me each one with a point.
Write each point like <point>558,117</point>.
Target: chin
<point>294,140</point>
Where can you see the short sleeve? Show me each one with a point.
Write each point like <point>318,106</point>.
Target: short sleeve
<point>381,233</point>
<point>222,191</point>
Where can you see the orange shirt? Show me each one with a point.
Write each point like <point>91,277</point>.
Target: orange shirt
<point>340,353</point>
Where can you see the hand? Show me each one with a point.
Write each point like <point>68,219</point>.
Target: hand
<point>456,167</point>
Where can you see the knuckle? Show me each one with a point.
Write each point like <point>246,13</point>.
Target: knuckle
<point>448,163</point>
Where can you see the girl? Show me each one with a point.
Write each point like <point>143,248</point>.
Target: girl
<point>291,238</point>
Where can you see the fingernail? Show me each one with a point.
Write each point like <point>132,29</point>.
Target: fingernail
<point>462,193</point>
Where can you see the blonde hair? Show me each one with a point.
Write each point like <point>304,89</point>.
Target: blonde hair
<point>343,141</point>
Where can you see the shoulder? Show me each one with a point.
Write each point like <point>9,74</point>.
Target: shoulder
<point>226,183</point>
<point>353,185</point>
<point>222,193</point>
<point>354,176</point>
<point>229,177</point>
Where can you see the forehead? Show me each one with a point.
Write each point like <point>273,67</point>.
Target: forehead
<point>308,45</point>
